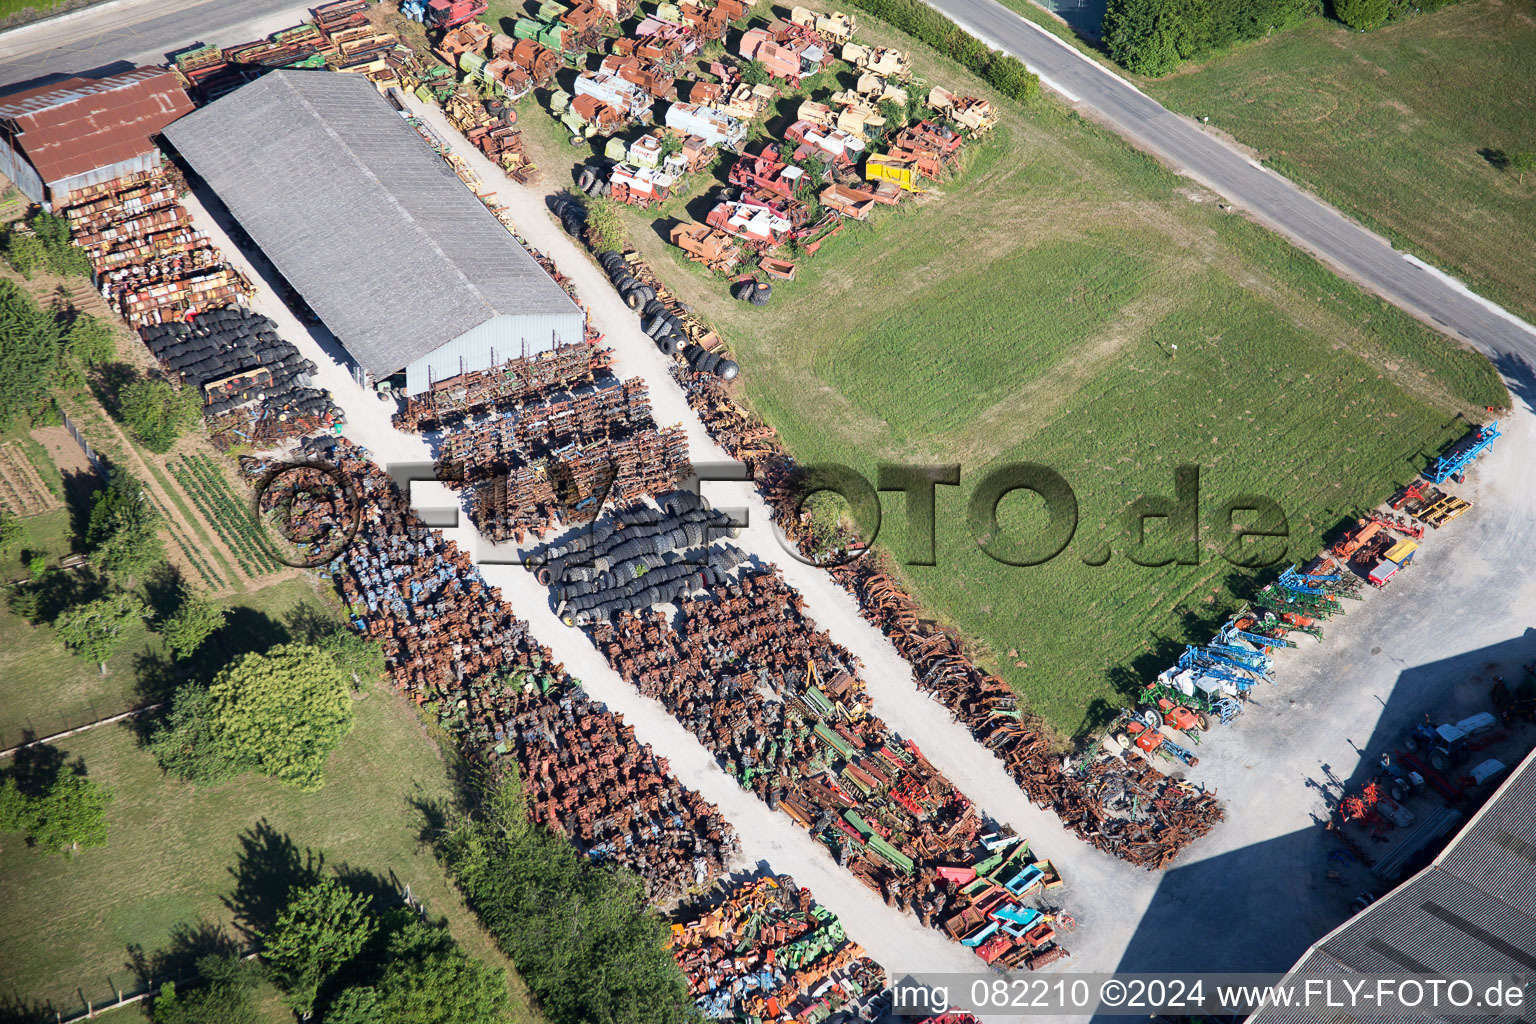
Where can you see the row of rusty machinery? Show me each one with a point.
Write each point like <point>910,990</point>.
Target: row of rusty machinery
<point>547,438</point>
<point>1124,806</point>
<point>340,38</point>
<point>1209,683</point>
<point>454,646</point>
<point>764,949</point>
<point>170,282</point>
<point>784,711</point>
<point>150,263</point>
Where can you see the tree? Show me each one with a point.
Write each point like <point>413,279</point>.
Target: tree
<point>89,341</point>
<point>320,929</point>
<point>94,630</point>
<point>447,987</point>
<point>226,994</point>
<point>1522,161</point>
<point>187,746</point>
<point>71,815</point>
<point>66,815</point>
<point>1361,14</point>
<point>157,413</point>
<point>427,979</point>
<point>356,1005</point>
<point>583,936</point>
<point>283,712</point>
<point>63,256</point>
<point>25,252</point>
<point>194,620</point>
<point>30,341</point>
<point>124,530</point>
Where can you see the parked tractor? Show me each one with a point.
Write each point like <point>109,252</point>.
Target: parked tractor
<point>1446,745</point>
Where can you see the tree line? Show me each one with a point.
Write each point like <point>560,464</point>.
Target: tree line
<point>1152,37</point>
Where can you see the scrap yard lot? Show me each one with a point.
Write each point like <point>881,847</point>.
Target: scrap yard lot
<point>433,281</point>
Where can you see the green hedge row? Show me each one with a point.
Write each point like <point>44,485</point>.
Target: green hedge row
<point>1006,74</point>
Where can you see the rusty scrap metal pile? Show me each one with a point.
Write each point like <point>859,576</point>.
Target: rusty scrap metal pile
<point>784,711</point>
<point>503,386</point>
<point>637,558</point>
<point>1168,814</point>
<point>150,263</point>
<point>557,452</point>
<point>766,950</point>
<point>455,647</point>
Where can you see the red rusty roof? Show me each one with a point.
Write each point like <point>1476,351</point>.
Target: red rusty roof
<point>80,124</point>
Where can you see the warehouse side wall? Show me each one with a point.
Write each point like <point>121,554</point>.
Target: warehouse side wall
<point>15,167</point>
<point>495,341</point>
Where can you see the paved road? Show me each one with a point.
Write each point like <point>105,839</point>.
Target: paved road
<point>140,31</point>
<point>1315,226</point>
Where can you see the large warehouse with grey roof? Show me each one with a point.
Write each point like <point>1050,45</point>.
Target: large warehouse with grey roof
<point>395,255</point>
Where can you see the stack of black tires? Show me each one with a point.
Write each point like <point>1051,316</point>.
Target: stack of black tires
<point>637,558</point>
<point>227,342</point>
<point>756,292</point>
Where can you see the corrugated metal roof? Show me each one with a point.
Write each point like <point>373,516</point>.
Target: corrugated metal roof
<point>1469,912</point>
<point>80,124</point>
<point>373,229</point>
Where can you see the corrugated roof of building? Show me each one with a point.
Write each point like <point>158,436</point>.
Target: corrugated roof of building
<point>80,124</point>
<point>377,233</point>
<point>1470,912</point>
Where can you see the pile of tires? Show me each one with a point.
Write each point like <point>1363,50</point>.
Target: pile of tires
<point>631,289</point>
<point>638,558</point>
<point>700,360</point>
<point>593,180</point>
<point>755,292</point>
<point>662,327</point>
<point>573,216</point>
<point>222,343</point>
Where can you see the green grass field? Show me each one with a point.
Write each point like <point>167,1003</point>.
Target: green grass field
<point>1400,127</point>
<point>1030,313</point>
<point>174,851</point>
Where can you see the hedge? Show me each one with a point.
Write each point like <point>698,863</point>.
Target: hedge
<point>1152,37</point>
<point>1006,74</point>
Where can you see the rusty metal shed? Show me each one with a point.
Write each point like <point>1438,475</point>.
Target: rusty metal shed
<point>399,259</point>
<point>80,131</point>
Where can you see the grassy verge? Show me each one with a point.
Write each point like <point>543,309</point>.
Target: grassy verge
<point>1403,127</point>
<point>1070,302</point>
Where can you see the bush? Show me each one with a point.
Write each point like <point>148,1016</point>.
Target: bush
<point>1361,14</point>
<point>226,994</point>
<point>123,533</point>
<point>157,413</point>
<point>605,228</point>
<point>31,340</point>
<point>89,341</point>
<point>280,713</point>
<point>582,935</point>
<point>1151,37</point>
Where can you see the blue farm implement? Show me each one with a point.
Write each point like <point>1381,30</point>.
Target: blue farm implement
<point>1453,465</point>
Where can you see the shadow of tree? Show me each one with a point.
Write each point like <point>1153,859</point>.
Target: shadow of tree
<point>163,592</point>
<point>268,865</point>
<point>308,623</point>
<point>16,1009</point>
<point>35,769</point>
<point>189,943</point>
